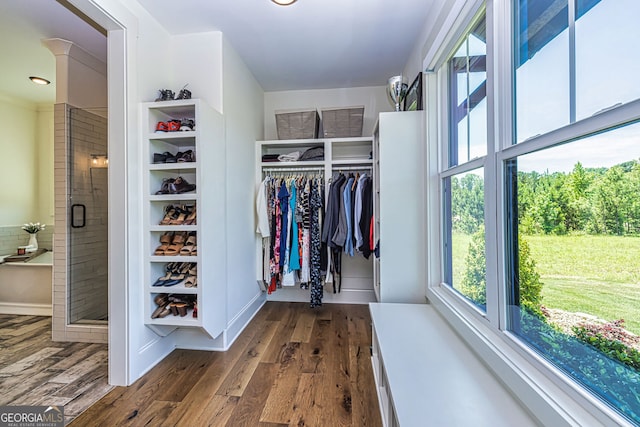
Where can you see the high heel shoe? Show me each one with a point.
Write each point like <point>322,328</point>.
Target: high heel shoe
<point>189,245</point>
<point>191,218</point>
<point>176,244</point>
<point>165,240</point>
<point>169,215</point>
<point>180,217</point>
<point>160,312</point>
<point>192,277</point>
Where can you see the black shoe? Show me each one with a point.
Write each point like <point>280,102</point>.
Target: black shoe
<point>166,95</point>
<point>184,94</point>
<point>187,125</point>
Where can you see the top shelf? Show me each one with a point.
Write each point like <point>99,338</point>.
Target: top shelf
<point>311,142</point>
<point>181,106</point>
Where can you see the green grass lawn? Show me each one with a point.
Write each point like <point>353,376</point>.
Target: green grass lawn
<point>597,275</point>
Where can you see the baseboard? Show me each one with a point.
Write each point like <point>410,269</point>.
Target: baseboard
<point>193,339</point>
<point>346,296</point>
<point>149,356</point>
<point>242,319</point>
<point>26,309</point>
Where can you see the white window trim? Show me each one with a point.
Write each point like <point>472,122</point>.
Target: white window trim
<point>551,397</point>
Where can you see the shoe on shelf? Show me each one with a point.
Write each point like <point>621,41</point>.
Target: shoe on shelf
<point>184,93</point>
<point>165,241</point>
<point>182,186</point>
<point>173,125</point>
<point>170,213</point>
<point>160,312</point>
<point>161,299</point>
<point>165,95</point>
<point>191,218</point>
<point>186,157</point>
<point>189,245</point>
<point>177,243</point>
<point>192,276</point>
<point>167,187</point>
<point>162,127</point>
<point>165,157</point>
<point>180,216</point>
<point>187,125</point>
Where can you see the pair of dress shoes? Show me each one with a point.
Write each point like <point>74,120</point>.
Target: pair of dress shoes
<point>177,185</point>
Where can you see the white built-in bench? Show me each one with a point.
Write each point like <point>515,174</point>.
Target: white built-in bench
<point>427,376</point>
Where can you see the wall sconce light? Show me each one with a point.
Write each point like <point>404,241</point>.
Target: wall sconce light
<point>99,161</point>
<point>284,2</point>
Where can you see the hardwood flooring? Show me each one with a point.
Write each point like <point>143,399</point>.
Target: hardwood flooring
<point>291,366</point>
<point>37,371</point>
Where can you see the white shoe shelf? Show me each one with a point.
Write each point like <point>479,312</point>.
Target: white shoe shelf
<point>207,172</point>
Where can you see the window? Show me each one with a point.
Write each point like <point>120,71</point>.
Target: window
<point>572,205</point>
<point>574,246</point>
<point>463,183</point>
<point>468,97</point>
<point>573,61</point>
<point>466,270</point>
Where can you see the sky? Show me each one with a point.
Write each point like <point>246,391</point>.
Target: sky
<point>607,70</point>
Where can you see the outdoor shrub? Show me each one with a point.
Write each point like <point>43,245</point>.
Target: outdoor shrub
<point>611,339</point>
<point>588,365</point>
<point>474,284</point>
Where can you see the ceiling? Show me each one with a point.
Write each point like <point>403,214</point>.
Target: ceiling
<point>312,44</point>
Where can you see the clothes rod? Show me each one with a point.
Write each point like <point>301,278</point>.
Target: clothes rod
<point>285,169</point>
<point>350,168</point>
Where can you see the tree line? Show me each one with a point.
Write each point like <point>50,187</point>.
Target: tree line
<point>591,200</point>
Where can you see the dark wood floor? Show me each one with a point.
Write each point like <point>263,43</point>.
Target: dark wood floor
<point>291,366</point>
<point>37,371</point>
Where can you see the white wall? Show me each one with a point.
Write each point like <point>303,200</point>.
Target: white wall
<point>244,123</point>
<point>44,167</point>
<point>374,99</point>
<point>26,163</point>
<point>198,59</point>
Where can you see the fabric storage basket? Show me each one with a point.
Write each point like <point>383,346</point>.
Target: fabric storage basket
<point>342,122</point>
<point>297,124</point>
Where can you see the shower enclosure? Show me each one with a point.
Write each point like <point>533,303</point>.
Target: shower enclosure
<point>87,219</point>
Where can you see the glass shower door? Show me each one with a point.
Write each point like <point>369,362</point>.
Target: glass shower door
<point>87,271</point>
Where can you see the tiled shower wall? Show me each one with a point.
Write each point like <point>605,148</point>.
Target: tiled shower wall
<point>13,236</point>
<point>80,289</point>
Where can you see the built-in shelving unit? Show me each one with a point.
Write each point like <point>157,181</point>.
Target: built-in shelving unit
<point>207,173</point>
<point>398,212</point>
<point>340,155</point>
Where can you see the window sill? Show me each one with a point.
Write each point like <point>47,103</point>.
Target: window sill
<point>555,401</point>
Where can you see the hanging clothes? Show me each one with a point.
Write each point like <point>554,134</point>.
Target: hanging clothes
<point>305,268</point>
<point>332,211</point>
<point>264,226</point>
<point>357,211</point>
<point>365,219</point>
<point>348,208</point>
<point>294,257</point>
<point>283,197</point>
<point>315,205</point>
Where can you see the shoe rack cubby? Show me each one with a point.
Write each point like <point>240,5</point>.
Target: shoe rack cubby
<point>171,184</point>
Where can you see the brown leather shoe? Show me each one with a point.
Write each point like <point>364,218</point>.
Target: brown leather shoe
<point>180,185</point>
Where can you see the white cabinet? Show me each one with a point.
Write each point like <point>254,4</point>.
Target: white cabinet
<point>206,170</point>
<point>347,155</point>
<point>398,207</point>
